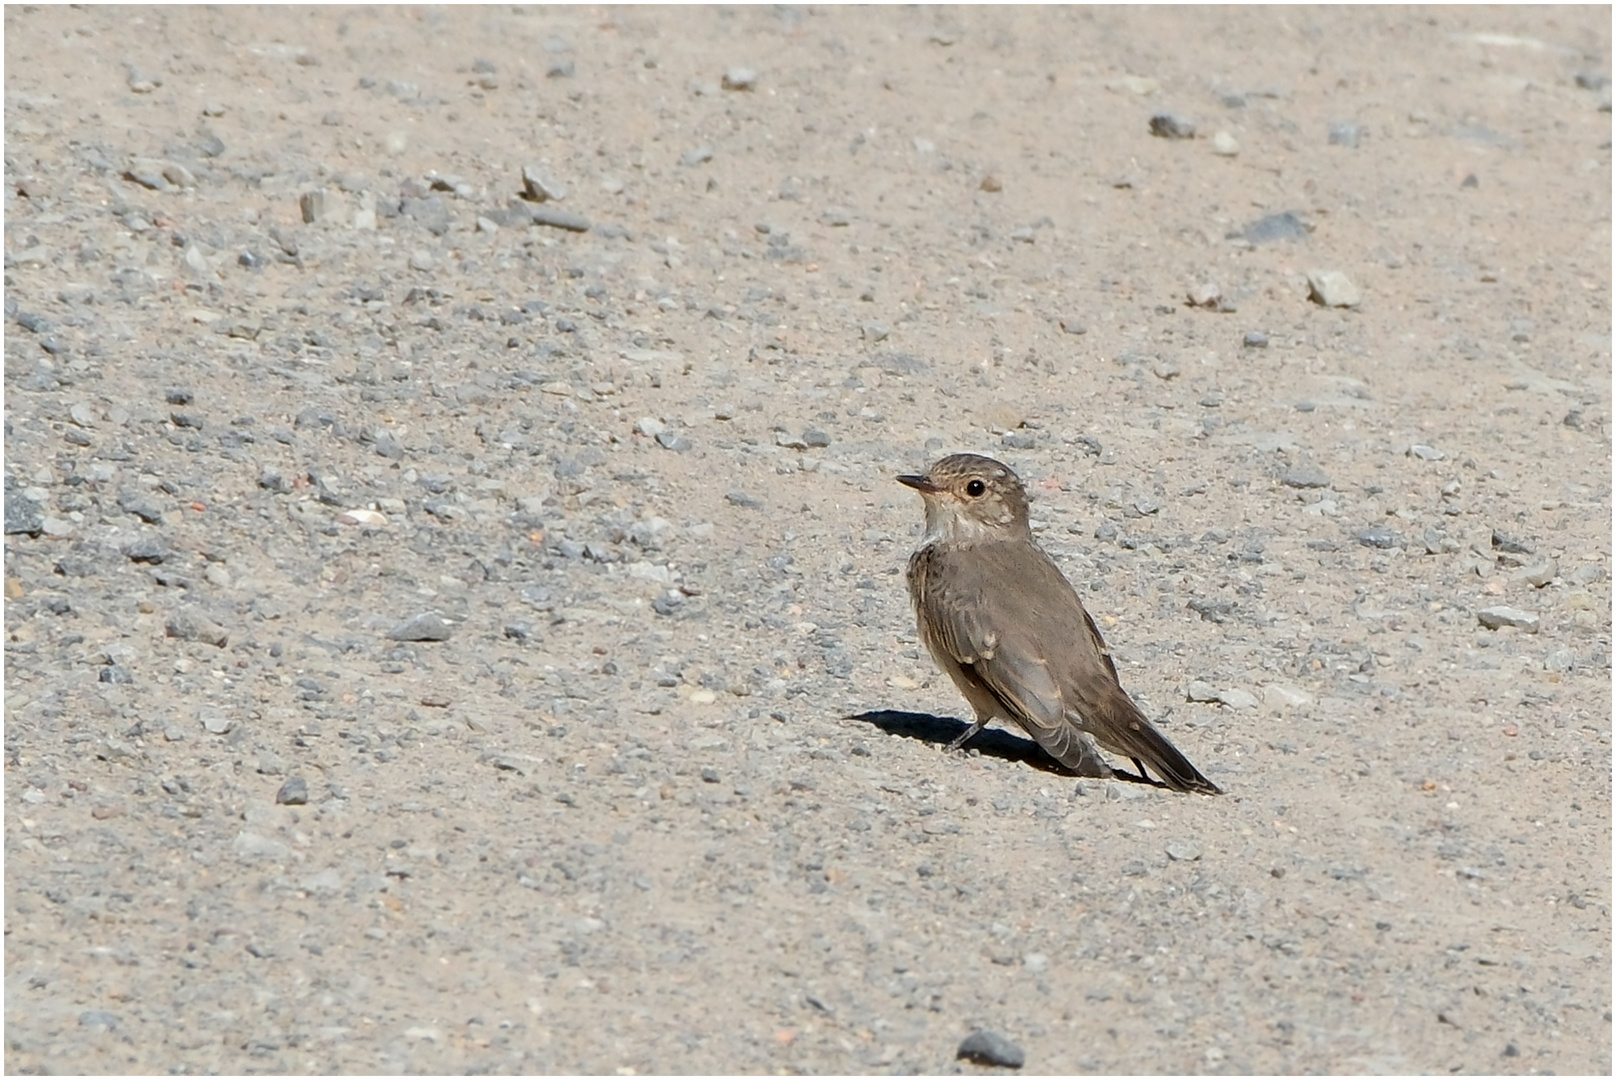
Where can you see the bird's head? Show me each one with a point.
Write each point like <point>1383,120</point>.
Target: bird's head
<point>970,497</point>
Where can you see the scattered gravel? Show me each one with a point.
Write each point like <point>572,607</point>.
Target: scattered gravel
<point>447,633</point>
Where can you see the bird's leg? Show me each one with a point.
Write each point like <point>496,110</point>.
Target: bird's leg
<point>963,739</point>
<point>1139,765</point>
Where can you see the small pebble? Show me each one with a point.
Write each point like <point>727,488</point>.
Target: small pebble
<point>1425,453</point>
<point>1331,288</point>
<point>1494,618</point>
<point>540,186</point>
<point>1238,699</point>
<point>1224,144</point>
<point>217,722</point>
<point>1305,475</point>
<point>553,218</point>
<point>1346,135</point>
<point>991,1048</point>
<point>672,440</point>
<point>1508,545</point>
<point>1539,573</point>
<point>1172,126</point>
<point>188,625</point>
<point>740,78</point>
<point>1183,850</point>
<point>1378,536</point>
<point>1255,339</point>
<point>294,792</point>
<point>1274,227</point>
<point>427,626</point>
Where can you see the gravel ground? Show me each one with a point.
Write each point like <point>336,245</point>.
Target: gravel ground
<point>455,631</point>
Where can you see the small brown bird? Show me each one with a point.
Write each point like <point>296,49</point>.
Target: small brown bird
<point>1007,627</point>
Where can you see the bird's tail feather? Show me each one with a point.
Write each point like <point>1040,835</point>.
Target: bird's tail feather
<point>1126,731</point>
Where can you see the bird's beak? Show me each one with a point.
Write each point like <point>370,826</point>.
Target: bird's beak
<point>920,484</point>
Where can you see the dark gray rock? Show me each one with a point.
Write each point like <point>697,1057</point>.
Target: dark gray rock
<point>143,507</point>
<point>1305,474</point>
<point>991,1048</point>
<point>1508,545</point>
<point>1378,536</point>
<point>23,514</point>
<point>148,549</point>
<point>1172,126</point>
<point>294,792</point>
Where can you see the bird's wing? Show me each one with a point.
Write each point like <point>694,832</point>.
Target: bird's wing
<point>1040,654</point>
<point>996,634</point>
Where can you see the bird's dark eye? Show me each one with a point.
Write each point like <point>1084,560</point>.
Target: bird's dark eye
<point>975,488</point>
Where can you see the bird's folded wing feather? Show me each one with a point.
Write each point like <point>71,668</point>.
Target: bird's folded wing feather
<point>980,627</point>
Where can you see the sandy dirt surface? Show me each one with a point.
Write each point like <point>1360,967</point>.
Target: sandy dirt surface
<point>441,639</point>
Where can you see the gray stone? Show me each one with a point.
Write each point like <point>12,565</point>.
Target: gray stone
<point>142,506</point>
<point>216,721</point>
<point>147,549</point>
<point>23,514</point>
<point>427,626</point>
<point>98,1018</point>
<point>1494,618</point>
<point>1200,690</point>
<point>1331,288</point>
<point>1425,453</point>
<point>1560,660</point>
<point>1508,545</point>
<point>1539,573</point>
<point>189,625</point>
<point>1305,474</point>
<point>672,440</point>
<point>740,78</point>
<point>651,533</point>
<point>697,156</point>
<point>558,219</point>
<point>1347,135</point>
<point>1274,227</point>
<point>540,186</point>
<point>991,1048</point>
<point>743,500</point>
<point>250,847</point>
<point>1183,850</point>
<point>294,792</point>
<point>1172,126</point>
<point>1238,699</point>
<point>431,213</point>
<point>1378,536</point>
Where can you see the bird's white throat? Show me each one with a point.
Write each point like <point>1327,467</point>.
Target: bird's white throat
<point>946,521</point>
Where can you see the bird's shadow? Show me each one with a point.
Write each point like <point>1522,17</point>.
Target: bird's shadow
<point>989,742</point>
